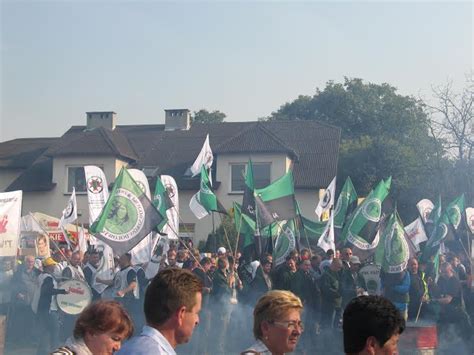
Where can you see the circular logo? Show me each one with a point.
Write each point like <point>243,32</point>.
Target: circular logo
<point>157,201</point>
<point>95,184</point>
<point>439,234</point>
<point>69,211</point>
<point>396,250</point>
<point>372,209</point>
<point>455,216</point>
<point>171,190</point>
<point>126,217</point>
<point>327,198</point>
<point>205,189</point>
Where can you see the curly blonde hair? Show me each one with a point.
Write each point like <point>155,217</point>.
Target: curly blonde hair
<point>273,305</point>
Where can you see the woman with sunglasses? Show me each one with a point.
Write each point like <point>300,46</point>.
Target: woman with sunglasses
<point>277,324</point>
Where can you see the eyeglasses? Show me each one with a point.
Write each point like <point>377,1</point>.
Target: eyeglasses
<point>290,325</point>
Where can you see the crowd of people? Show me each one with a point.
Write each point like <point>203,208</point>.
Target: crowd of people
<point>316,286</point>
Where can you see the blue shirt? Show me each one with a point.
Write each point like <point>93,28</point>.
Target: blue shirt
<point>150,341</point>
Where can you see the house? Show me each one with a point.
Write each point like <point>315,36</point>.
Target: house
<point>46,169</point>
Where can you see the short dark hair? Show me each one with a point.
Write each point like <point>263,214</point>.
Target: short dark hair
<point>104,316</point>
<point>367,316</point>
<point>168,291</point>
<point>205,261</point>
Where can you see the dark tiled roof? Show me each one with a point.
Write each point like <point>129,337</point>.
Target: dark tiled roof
<point>79,141</point>
<point>313,145</point>
<point>21,153</point>
<point>38,177</point>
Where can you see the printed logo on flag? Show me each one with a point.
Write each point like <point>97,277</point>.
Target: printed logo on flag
<point>372,209</point>
<point>455,216</point>
<point>95,184</point>
<point>157,201</point>
<point>205,189</point>
<point>141,186</point>
<point>126,217</point>
<point>440,232</point>
<point>69,211</point>
<point>326,199</point>
<point>396,250</point>
<point>3,224</point>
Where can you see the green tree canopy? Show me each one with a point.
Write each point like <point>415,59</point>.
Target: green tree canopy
<point>204,116</point>
<point>383,134</point>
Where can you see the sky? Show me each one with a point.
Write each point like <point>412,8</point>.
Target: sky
<point>60,59</point>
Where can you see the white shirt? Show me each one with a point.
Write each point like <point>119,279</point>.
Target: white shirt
<point>258,347</point>
<point>150,341</point>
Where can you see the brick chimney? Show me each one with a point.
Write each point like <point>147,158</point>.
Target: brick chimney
<point>179,119</point>
<point>106,119</point>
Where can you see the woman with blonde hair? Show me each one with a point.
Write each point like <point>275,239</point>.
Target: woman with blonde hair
<point>277,324</point>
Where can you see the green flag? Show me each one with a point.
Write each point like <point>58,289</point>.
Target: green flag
<point>362,231</point>
<point>312,229</point>
<point>346,204</point>
<point>244,225</point>
<point>455,211</point>
<point>205,201</point>
<point>161,201</point>
<point>127,217</point>
<point>393,250</point>
<point>285,242</point>
<point>276,202</point>
<point>248,201</point>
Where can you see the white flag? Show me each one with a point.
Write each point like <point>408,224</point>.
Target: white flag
<point>326,240</point>
<point>205,158</point>
<point>10,221</point>
<point>172,227</point>
<point>425,207</point>
<point>470,219</point>
<point>196,207</point>
<point>70,212</point>
<point>81,241</point>
<point>141,253</point>
<point>97,195</point>
<point>328,199</point>
<point>416,232</point>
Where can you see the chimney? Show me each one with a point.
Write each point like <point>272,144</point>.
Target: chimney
<point>177,120</point>
<point>106,119</point>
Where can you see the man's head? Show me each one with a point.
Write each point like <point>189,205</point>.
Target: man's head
<point>329,254</point>
<point>291,263</point>
<point>305,265</point>
<point>29,262</point>
<point>446,270</point>
<point>316,261</point>
<point>94,258</point>
<point>305,254</point>
<point>346,254</point>
<point>413,266</point>
<point>371,325</point>
<point>266,265</point>
<point>206,264</point>
<point>221,252</point>
<point>75,258</point>
<point>125,260</point>
<point>354,261</point>
<point>222,263</point>
<point>173,301</point>
<point>336,264</point>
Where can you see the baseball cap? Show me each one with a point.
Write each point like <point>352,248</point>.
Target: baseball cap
<point>354,259</point>
<point>221,250</point>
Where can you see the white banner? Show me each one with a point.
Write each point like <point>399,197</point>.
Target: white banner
<point>97,195</point>
<point>70,212</point>
<point>416,232</point>
<point>172,227</point>
<point>10,220</point>
<point>425,207</point>
<point>470,218</point>
<point>326,240</point>
<point>328,199</point>
<point>205,158</point>
<point>141,253</point>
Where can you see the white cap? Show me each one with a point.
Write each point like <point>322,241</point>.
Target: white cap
<point>221,250</point>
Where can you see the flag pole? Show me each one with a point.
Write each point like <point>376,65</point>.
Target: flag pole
<point>238,235</point>
<point>225,235</point>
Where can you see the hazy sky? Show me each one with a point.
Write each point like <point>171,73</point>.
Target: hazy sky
<point>60,59</point>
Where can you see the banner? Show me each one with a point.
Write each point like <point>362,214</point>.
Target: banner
<point>97,195</point>
<point>141,253</point>
<point>172,212</point>
<point>327,241</point>
<point>205,158</point>
<point>328,199</point>
<point>284,243</point>
<point>127,217</point>
<point>470,218</point>
<point>70,212</point>
<point>10,219</point>
<point>416,232</point>
<point>425,207</point>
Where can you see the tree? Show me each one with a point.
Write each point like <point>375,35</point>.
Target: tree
<point>452,125</point>
<point>204,116</point>
<point>383,134</point>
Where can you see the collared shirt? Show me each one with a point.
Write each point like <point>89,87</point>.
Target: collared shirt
<point>150,341</point>
<point>258,348</point>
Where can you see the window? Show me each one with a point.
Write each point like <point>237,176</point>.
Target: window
<point>76,178</point>
<point>187,230</point>
<point>261,176</point>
